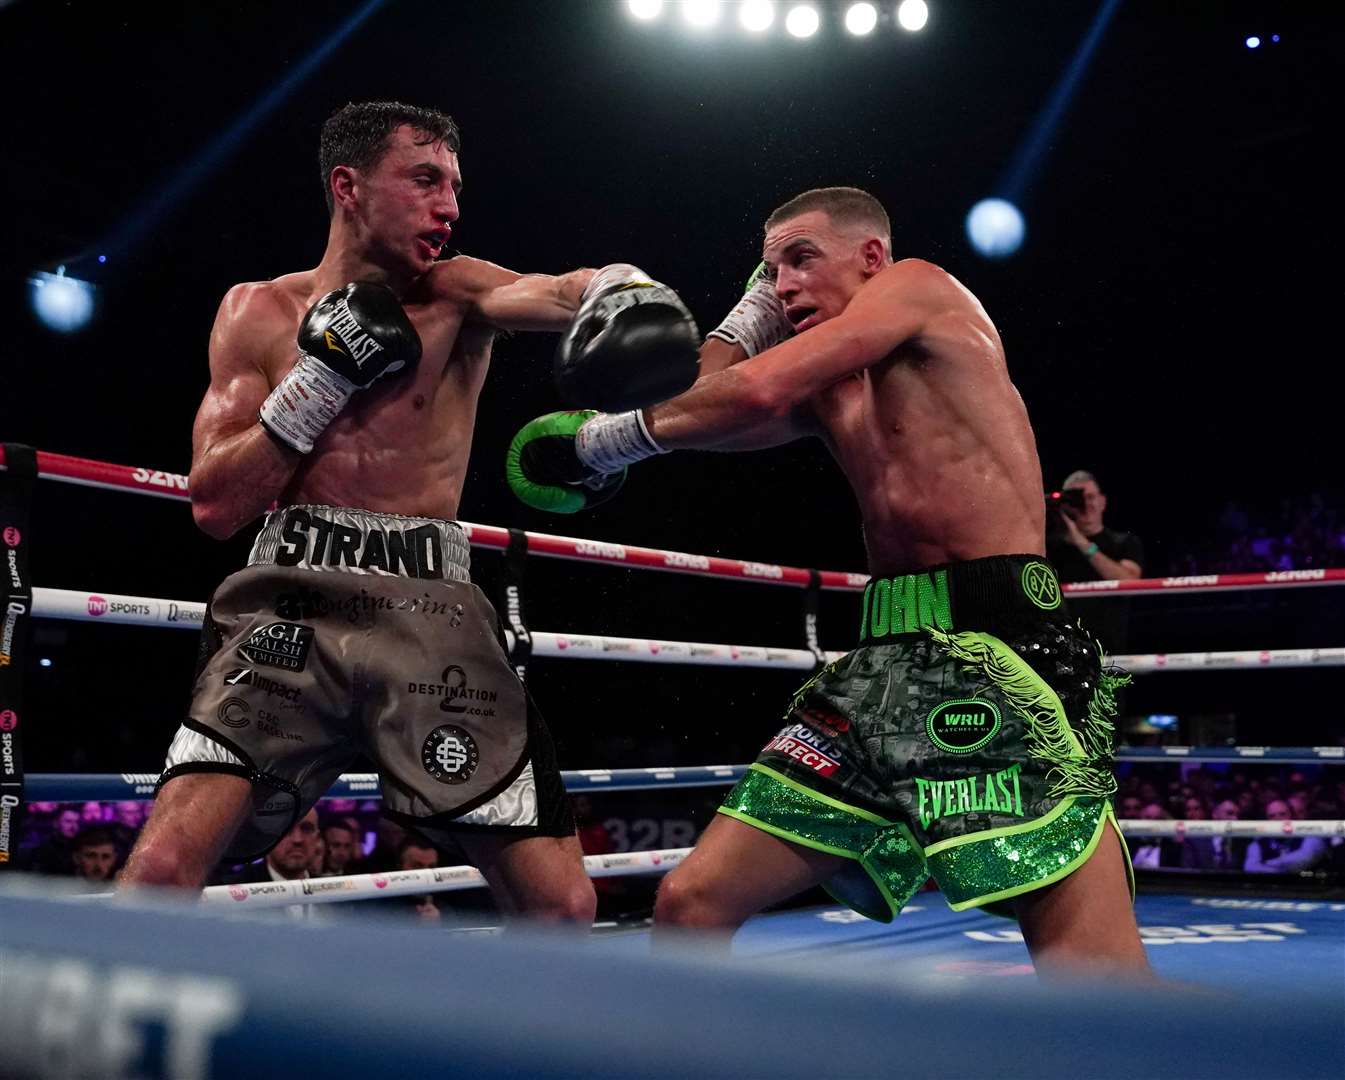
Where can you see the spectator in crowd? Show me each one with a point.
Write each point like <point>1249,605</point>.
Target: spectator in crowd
<point>413,853</point>
<point>91,813</point>
<point>95,857</point>
<point>341,847</point>
<point>1151,852</point>
<point>1082,548</point>
<point>1131,805</point>
<point>127,817</point>
<point>319,859</point>
<point>289,860</point>
<point>388,848</point>
<point>1229,851</point>
<point>54,854</point>
<point>1290,855</point>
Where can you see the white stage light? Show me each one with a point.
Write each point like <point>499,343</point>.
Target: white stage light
<point>995,228</point>
<point>861,18</point>
<point>61,303</point>
<point>802,21</point>
<point>912,14</point>
<point>757,15</point>
<point>701,13</point>
<point>645,9</point>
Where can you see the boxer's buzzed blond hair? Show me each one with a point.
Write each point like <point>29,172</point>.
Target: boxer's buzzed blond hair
<point>845,206</point>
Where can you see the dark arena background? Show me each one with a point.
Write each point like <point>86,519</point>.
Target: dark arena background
<point>1162,264</point>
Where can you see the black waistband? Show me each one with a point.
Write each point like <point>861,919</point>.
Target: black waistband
<point>1000,592</point>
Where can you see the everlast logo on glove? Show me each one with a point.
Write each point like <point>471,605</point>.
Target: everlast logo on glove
<point>359,345</point>
<point>313,540</point>
<point>279,644</point>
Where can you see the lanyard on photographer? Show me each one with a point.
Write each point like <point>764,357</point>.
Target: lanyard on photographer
<point>511,599</point>
<point>812,603</point>
<point>16,595</point>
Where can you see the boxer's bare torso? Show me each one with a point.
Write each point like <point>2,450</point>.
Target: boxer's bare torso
<point>401,445</point>
<point>936,443</point>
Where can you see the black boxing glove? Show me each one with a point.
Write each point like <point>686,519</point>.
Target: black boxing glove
<point>349,338</point>
<point>632,343</point>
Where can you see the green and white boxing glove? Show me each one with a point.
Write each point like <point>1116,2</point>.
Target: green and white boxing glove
<point>545,471</point>
<point>757,322</point>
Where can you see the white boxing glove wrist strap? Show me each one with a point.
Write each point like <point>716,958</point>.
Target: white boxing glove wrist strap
<point>609,442</point>
<point>757,322</point>
<point>615,276</point>
<point>304,402</point>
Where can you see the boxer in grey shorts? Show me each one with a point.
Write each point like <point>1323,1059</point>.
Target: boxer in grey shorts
<point>352,632</point>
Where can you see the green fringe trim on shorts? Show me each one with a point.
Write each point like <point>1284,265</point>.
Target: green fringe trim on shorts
<point>1080,763</point>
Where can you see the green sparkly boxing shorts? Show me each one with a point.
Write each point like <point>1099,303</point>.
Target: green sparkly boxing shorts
<point>969,738</point>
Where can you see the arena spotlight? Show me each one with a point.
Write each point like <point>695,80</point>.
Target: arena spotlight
<point>802,21</point>
<point>701,13</point>
<point>861,18</point>
<point>645,9</point>
<point>912,15</point>
<point>756,15</point>
<point>995,228</point>
<point>1253,42</point>
<point>61,303</point>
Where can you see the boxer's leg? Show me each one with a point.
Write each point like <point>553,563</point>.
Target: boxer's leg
<point>541,877</point>
<point>193,819</point>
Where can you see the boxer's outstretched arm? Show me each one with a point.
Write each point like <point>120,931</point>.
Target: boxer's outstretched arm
<point>755,403</point>
<point>237,469</point>
<point>506,300</point>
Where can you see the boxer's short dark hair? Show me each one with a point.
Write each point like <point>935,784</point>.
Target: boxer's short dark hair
<point>356,135</point>
<point>843,205</point>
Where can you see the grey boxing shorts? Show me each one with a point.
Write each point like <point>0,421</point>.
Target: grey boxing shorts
<point>351,632</point>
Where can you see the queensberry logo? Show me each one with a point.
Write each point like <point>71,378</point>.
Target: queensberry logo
<point>962,726</point>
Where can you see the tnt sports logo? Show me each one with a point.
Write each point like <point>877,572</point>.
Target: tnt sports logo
<point>97,606</point>
<point>239,893</point>
<point>9,720</point>
<point>234,712</point>
<point>12,536</point>
<point>1041,586</point>
<point>962,726</point>
<point>450,755</point>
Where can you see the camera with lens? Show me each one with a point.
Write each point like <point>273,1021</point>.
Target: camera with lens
<point>1057,503</point>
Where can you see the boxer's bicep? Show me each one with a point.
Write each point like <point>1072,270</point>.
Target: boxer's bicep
<point>507,300</point>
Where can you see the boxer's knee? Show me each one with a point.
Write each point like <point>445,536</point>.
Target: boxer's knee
<point>571,901</point>
<point>686,900</point>
<point>164,863</point>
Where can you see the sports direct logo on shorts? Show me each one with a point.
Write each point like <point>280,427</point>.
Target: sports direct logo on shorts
<point>805,755</point>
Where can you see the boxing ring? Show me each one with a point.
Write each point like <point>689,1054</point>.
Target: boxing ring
<point>168,988</point>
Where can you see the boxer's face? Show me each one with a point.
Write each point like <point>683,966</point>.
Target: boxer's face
<point>408,202</point>
<point>817,266</point>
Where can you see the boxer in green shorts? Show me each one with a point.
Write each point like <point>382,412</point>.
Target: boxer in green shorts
<point>974,748</point>
<point>968,737</point>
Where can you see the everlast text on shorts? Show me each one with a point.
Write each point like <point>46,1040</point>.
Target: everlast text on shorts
<point>310,538</point>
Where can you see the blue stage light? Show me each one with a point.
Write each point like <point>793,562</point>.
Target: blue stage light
<point>995,228</point>
<point>61,303</point>
<point>102,258</point>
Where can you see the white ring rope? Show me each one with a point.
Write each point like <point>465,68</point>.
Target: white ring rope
<point>188,615</point>
<point>331,890</point>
